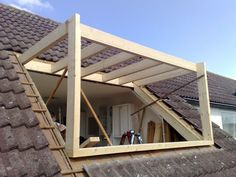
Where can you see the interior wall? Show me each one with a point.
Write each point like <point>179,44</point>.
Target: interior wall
<point>98,94</point>
<point>124,99</point>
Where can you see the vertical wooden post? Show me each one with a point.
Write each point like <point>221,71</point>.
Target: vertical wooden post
<point>204,102</point>
<point>73,85</point>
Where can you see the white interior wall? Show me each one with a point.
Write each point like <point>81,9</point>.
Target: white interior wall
<point>124,99</point>
<point>98,94</point>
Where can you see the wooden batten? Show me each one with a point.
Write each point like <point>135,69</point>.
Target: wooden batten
<point>144,64</point>
<point>159,69</point>
<point>91,50</point>
<point>163,76</point>
<point>115,59</point>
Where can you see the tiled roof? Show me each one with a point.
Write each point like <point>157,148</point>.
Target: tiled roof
<point>221,89</point>
<point>19,30</point>
<point>23,147</point>
<point>22,153</point>
<point>217,161</point>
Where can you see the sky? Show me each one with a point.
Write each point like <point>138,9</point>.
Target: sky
<point>198,31</point>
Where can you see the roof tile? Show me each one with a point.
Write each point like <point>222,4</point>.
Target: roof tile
<point>8,140</point>
<point>22,143</point>
<point>14,164</point>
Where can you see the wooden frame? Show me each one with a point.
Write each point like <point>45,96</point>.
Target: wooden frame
<point>73,86</point>
<point>154,66</point>
<point>85,152</point>
<point>204,102</point>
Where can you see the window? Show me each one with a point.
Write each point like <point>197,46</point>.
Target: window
<point>229,123</point>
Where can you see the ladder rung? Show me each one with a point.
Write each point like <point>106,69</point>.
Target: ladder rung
<point>26,83</point>
<point>47,127</point>
<point>56,147</point>
<point>31,95</point>
<point>20,72</point>
<point>39,110</point>
<point>71,172</point>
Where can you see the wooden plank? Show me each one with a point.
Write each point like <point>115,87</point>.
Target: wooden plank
<point>168,115</point>
<point>160,77</point>
<point>125,45</point>
<point>90,142</point>
<point>153,71</point>
<point>59,65</point>
<point>91,50</point>
<point>37,65</point>
<point>96,118</point>
<point>167,132</point>
<point>44,44</point>
<point>204,102</point>
<point>115,59</point>
<point>97,77</point>
<point>86,52</point>
<point>73,86</point>
<point>57,86</point>
<point>144,64</point>
<point>151,131</point>
<point>158,133</point>
<point>85,152</point>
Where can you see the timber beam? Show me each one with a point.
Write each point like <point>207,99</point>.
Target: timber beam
<point>188,132</point>
<point>161,77</point>
<point>104,38</point>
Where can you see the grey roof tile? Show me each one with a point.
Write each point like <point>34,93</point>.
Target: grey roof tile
<point>13,164</point>
<point>23,137</point>
<point>31,119</point>
<point>23,147</point>
<point>23,101</point>
<point>3,172</point>
<point>8,141</point>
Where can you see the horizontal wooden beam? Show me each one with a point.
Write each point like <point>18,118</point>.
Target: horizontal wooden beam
<point>113,60</point>
<point>85,52</point>
<point>160,77</point>
<point>44,44</point>
<point>91,50</point>
<point>39,65</point>
<point>146,73</point>
<point>125,45</point>
<point>145,63</point>
<point>59,65</point>
<point>85,152</point>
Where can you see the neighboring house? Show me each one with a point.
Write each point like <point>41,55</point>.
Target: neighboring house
<point>222,93</point>
<point>32,146</point>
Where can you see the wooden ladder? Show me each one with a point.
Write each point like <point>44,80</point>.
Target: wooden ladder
<point>56,142</point>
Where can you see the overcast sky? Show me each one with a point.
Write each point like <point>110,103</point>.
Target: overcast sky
<point>196,30</point>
